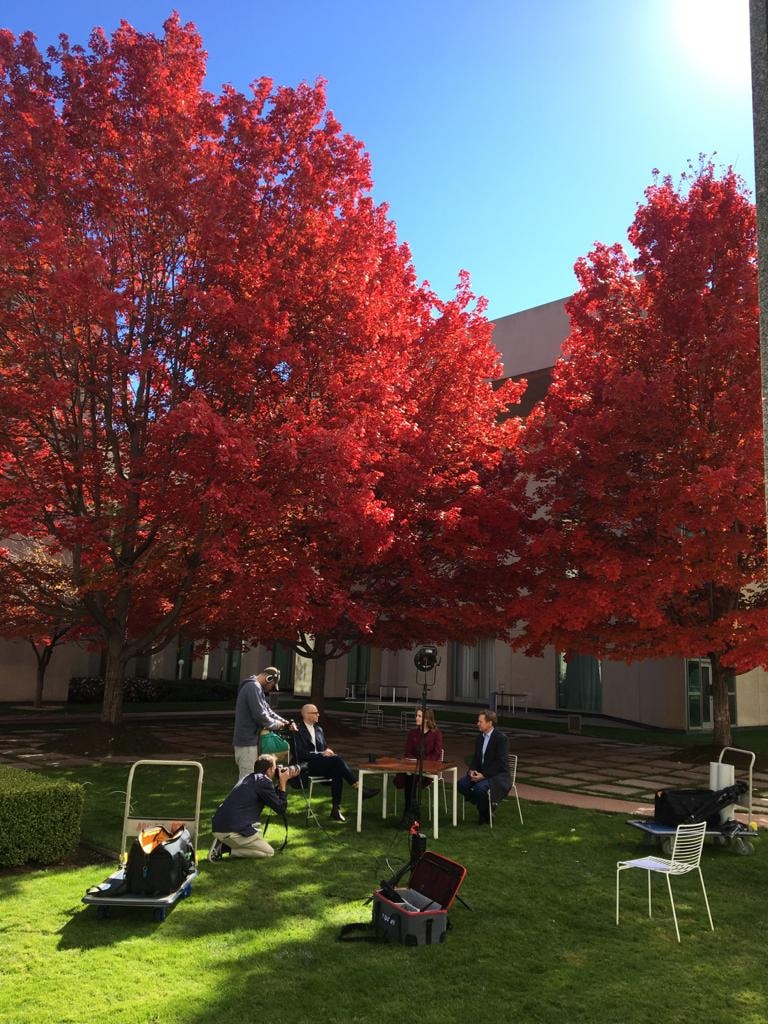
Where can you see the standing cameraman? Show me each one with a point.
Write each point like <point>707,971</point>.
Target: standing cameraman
<point>235,825</point>
<point>252,715</point>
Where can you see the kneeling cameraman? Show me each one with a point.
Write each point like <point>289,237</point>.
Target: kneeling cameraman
<point>235,825</point>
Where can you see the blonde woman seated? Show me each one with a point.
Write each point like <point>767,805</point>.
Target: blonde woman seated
<point>433,749</point>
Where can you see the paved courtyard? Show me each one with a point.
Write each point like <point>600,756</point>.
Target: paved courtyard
<point>553,767</point>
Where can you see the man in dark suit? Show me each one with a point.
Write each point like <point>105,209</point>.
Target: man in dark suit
<point>310,748</point>
<point>489,767</point>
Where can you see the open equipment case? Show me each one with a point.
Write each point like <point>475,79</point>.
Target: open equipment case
<point>417,915</point>
<point>112,891</point>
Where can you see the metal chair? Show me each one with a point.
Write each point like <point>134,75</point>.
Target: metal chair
<point>373,716</point>
<point>313,780</point>
<point>686,857</point>
<point>512,761</point>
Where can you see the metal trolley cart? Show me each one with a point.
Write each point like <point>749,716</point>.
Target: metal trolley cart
<point>111,892</point>
<point>735,835</point>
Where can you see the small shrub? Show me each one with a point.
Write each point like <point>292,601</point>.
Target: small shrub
<point>90,690</point>
<point>39,817</point>
<point>85,690</point>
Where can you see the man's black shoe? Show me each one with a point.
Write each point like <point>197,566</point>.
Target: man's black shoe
<point>336,814</point>
<point>368,792</point>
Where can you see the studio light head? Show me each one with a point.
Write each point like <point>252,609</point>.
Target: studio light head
<point>426,658</point>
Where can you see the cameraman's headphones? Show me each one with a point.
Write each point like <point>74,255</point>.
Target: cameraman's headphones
<point>272,675</point>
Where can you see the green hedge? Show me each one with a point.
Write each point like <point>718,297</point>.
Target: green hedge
<point>90,690</point>
<point>39,817</point>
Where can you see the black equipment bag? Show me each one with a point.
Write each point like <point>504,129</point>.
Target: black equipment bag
<point>158,862</point>
<point>687,806</point>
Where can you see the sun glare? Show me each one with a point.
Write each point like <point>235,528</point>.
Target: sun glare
<point>713,40</point>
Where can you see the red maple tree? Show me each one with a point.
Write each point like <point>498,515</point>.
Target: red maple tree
<point>37,604</point>
<point>223,395</point>
<point>169,262</point>
<point>646,453</point>
<point>383,436</point>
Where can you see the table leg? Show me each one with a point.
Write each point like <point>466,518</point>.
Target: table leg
<point>435,819</point>
<point>384,781</point>
<point>360,783</point>
<point>455,794</point>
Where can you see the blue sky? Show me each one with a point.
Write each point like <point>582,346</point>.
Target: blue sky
<point>507,136</point>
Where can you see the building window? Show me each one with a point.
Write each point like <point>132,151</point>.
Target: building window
<point>579,682</point>
<point>234,656</point>
<point>184,659</point>
<point>282,658</point>
<point>698,675</point>
<point>142,666</point>
<point>358,666</point>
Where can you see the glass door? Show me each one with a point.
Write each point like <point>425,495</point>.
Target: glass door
<point>473,671</point>
<point>699,675</point>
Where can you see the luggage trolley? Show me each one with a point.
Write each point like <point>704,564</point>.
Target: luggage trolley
<point>735,835</point>
<point>99,896</point>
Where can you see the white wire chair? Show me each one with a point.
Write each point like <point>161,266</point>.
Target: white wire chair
<point>313,780</point>
<point>373,717</point>
<point>308,782</point>
<point>686,857</point>
<point>512,761</point>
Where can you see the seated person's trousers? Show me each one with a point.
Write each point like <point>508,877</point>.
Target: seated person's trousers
<point>334,768</point>
<point>476,793</point>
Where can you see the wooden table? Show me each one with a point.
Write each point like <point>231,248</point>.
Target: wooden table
<point>386,766</point>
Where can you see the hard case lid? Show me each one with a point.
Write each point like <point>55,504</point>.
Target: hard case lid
<point>437,877</point>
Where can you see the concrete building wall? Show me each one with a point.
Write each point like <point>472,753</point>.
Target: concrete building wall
<point>516,673</point>
<point>652,692</point>
<point>397,669</point>
<point>532,339</point>
<point>18,671</point>
<point>752,697</point>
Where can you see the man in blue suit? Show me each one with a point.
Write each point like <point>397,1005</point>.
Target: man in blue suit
<point>310,748</point>
<point>489,767</point>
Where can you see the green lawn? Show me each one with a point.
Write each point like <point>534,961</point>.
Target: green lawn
<point>258,940</point>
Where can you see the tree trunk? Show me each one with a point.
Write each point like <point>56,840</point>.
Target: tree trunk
<point>319,661</point>
<point>114,682</point>
<point>721,712</point>
<point>43,661</point>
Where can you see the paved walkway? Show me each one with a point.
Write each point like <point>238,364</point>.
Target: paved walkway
<point>576,771</point>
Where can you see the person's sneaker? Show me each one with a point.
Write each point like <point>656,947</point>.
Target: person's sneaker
<point>214,853</point>
<point>368,792</point>
<point>336,814</point>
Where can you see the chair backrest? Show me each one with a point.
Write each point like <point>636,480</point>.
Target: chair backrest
<point>512,768</point>
<point>688,844</point>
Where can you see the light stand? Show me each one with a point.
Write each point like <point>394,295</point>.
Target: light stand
<point>426,660</point>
